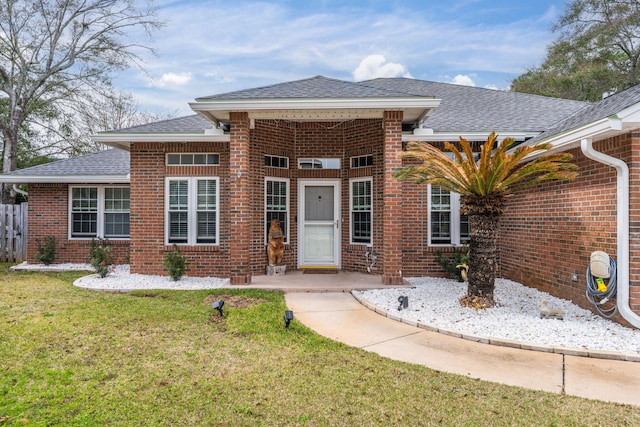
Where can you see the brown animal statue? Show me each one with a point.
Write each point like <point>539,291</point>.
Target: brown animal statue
<point>275,248</point>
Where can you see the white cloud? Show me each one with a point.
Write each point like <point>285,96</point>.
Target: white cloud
<point>374,66</point>
<point>172,79</point>
<point>463,79</point>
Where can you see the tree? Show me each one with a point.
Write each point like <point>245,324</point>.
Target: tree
<point>69,132</point>
<point>597,51</point>
<point>484,184</point>
<point>53,53</point>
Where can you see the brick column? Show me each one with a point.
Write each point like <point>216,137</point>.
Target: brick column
<point>392,200</point>
<point>239,200</point>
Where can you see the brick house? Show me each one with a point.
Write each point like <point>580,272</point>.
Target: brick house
<point>318,154</point>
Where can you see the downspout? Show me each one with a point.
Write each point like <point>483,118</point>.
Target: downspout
<point>622,220</point>
<point>17,190</point>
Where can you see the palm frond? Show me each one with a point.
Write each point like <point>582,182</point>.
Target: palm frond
<point>499,169</point>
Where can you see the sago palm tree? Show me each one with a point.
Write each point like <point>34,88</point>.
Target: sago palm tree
<point>483,183</point>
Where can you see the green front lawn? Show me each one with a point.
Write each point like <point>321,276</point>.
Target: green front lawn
<point>73,357</point>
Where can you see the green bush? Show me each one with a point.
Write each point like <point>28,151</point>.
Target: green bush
<point>101,256</point>
<point>47,251</point>
<point>449,263</point>
<point>175,263</point>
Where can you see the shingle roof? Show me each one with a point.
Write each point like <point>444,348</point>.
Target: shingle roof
<point>314,87</point>
<point>193,123</point>
<point>473,109</point>
<point>113,162</point>
<point>600,110</point>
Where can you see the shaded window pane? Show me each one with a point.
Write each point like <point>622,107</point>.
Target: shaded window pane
<point>84,224</point>
<point>206,227</point>
<point>276,205</point>
<point>178,227</point>
<point>361,211</point>
<point>84,200</point>
<point>116,225</point>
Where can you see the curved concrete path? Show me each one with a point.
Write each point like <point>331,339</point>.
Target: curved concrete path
<point>337,315</point>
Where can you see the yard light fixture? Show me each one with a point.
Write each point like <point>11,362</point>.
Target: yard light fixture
<point>404,302</point>
<point>218,306</point>
<point>288,317</point>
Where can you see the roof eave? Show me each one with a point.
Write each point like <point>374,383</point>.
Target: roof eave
<point>220,109</point>
<point>66,179</point>
<point>607,127</point>
<point>124,140</point>
<point>428,135</point>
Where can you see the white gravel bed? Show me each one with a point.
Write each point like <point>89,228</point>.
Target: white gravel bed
<point>516,317</point>
<point>122,280</point>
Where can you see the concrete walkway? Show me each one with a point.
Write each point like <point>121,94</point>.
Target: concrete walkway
<point>337,315</point>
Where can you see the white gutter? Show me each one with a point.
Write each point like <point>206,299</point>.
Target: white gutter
<point>622,220</point>
<point>67,179</point>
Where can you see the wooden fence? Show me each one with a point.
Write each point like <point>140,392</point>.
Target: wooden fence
<point>13,232</point>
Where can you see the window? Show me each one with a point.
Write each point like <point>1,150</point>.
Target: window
<point>277,205</point>
<point>446,225</point>
<point>361,211</point>
<point>361,161</point>
<point>177,159</point>
<point>276,162</point>
<point>318,163</point>
<point>192,211</point>
<point>99,212</point>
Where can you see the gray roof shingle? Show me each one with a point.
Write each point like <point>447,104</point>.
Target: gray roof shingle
<point>113,162</point>
<point>193,123</point>
<point>593,112</point>
<point>314,87</point>
<point>473,109</point>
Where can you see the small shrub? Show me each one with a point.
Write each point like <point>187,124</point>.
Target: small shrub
<point>174,262</point>
<point>449,264</point>
<point>47,251</point>
<point>101,256</point>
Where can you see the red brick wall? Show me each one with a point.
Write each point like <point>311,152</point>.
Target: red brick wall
<point>548,232</point>
<point>49,216</point>
<point>148,172</point>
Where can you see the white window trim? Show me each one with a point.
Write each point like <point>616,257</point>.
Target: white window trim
<point>455,220</point>
<point>100,223</point>
<point>192,234</point>
<point>351,181</point>
<point>288,211</point>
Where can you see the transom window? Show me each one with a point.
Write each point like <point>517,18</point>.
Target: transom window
<point>361,210</point>
<point>277,205</point>
<point>318,163</point>
<point>276,162</point>
<point>447,226</point>
<point>180,159</point>
<point>192,216</point>
<point>361,161</point>
<point>99,212</point>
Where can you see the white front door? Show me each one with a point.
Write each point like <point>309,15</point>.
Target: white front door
<point>319,224</point>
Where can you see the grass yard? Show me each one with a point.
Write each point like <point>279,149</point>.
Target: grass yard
<point>73,357</point>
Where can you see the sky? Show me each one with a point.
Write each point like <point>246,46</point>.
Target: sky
<point>213,46</point>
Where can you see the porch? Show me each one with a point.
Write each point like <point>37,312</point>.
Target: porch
<point>298,281</point>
